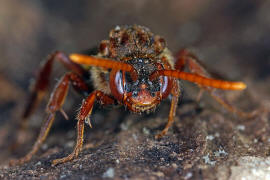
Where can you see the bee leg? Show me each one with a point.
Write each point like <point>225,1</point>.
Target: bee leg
<point>40,88</point>
<point>174,102</point>
<point>187,59</point>
<point>55,104</point>
<point>85,112</point>
<point>43,78</point>
<point>229,107</point>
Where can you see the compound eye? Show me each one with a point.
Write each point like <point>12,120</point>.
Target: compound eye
<point>116,84</point>
<point>128,77</point>
<point>119,82</point>
<point>164,84</point>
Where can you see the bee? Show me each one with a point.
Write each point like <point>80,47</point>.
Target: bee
<point>133,68</point>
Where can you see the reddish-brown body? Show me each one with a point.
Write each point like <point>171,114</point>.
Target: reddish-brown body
<point>133,68</point>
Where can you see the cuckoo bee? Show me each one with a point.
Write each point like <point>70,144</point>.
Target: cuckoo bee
<point>133,68</point>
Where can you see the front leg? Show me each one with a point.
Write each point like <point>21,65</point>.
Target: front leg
<point>40,88</point>
<point>175,96</point>
<point>85,112</point>
<point>43,79</point>
<point>55,104</point>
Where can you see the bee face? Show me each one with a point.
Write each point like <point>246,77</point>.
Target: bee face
<point>141,94</point>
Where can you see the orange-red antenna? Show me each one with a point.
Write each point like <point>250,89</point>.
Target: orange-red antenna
<point>220,84</point>
<point>105,63</point>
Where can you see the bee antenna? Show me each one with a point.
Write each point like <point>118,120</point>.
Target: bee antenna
<point>105,63</point>
<point>204,81</point>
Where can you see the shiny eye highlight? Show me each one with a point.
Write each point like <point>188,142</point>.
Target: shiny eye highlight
<point>119,82</point>
<point>164,83</point>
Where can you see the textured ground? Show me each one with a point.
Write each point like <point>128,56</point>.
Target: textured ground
<point>206,142</point>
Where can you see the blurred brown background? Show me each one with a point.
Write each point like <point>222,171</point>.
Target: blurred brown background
<point>230,36</point>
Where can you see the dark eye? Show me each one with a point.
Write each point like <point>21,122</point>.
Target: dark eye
<point>128,77</point>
